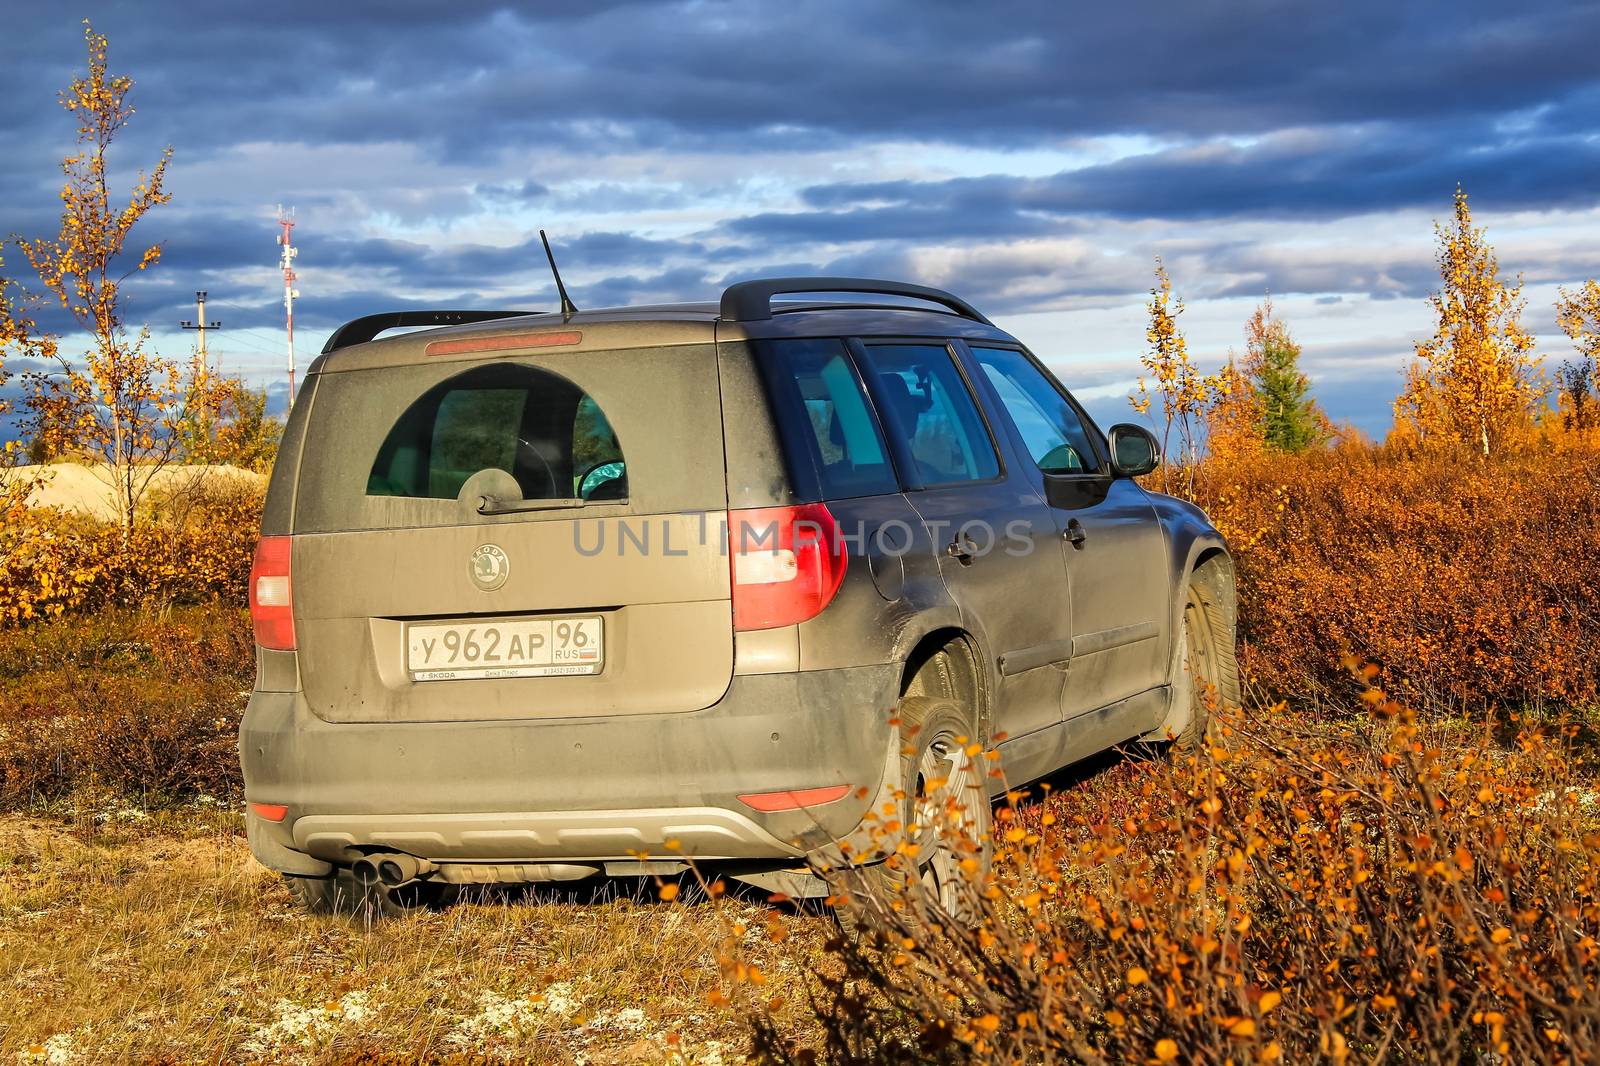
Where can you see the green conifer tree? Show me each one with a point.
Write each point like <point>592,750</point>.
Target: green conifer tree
<point>1290,419</point>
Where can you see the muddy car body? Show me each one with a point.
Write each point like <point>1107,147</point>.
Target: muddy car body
<point>546,596</point>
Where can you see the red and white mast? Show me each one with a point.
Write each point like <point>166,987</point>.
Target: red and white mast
<point>286,220</point>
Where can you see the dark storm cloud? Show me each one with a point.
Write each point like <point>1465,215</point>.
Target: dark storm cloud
<point>1298,174</point>
<point>1262,111</point>
<point>468,77</point>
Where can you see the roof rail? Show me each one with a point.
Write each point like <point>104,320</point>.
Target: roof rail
<point>751,301</point>
<point>363,329</point>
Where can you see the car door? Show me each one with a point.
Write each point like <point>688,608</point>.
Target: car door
<point>1110,538</point>
<point>995,536</point>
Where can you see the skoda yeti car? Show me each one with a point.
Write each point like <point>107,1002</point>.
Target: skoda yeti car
<point>544,597</point>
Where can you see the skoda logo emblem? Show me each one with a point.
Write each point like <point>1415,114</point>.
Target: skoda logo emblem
<point>490,567</point>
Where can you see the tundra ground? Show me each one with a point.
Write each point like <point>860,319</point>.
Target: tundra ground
<point>133,935</point>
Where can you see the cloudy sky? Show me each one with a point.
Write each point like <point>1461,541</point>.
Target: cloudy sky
<point>1034,157</point>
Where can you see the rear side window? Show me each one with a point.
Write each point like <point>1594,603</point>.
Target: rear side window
<point>836,448</point>
<point>932,410</point>
<point>544,431</point>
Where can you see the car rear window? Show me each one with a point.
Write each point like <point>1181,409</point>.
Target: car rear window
<point>835,446</point>
<point>392,447</point>
<point>544,431</point>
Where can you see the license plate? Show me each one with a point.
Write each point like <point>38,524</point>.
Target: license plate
<point>515,647</point>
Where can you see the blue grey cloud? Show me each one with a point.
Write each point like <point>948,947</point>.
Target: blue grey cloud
<point>665,143</point>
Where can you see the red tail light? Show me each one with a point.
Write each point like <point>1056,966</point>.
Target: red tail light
<point>271,812</point>
<point>271,602</point>
<point>794,799</point>
<point>788,563</point>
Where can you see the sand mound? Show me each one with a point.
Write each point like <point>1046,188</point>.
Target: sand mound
<point>86,489</point>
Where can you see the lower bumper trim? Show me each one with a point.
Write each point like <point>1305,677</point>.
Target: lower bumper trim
<point>698,832</point>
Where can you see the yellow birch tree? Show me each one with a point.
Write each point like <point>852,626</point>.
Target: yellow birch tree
<point>1170,375</point>
<point>1476,381</point>
<point>1234,416</point>
<point>119,404</point>
<point>19,337</point>
<point>1578,315</point>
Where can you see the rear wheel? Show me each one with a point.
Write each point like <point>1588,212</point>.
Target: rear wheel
<point>341,893</point>
<point>942,843</point>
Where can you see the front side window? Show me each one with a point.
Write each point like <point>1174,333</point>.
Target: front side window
<point>1049,425</point>
<point>928,402</point>
<point>544,431</point>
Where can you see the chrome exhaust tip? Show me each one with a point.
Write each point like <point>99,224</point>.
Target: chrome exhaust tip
<point>391,869</point>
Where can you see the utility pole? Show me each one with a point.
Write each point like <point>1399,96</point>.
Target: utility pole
<point>286,220</point>
<point>201,325</point>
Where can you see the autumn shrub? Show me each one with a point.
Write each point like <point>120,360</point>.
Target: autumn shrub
<point>1467,580</point>
<point>1368,890</point>
<point>133,702</point>
<point>188,546</point>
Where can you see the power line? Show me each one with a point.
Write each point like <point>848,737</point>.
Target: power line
<point>200,324</point>
<point>253,343</point>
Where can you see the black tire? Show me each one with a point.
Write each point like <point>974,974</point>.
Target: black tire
<point>1207,664</point>
<point>342,894</point>
<point>941,781</point>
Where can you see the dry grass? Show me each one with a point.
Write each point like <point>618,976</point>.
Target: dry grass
<point>127,935</point>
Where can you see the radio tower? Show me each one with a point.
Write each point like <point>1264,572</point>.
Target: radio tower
<point>286,220</point>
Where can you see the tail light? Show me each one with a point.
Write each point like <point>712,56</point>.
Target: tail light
<point>793,799</point>
<point>271,602</point>
<point>271,812</point>
<point>788,563</point>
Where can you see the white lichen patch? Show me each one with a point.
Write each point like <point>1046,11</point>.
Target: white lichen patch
<point>626,1020</point>
<point>512,1017</point>
<point>297,1027</point>
<point>60,1049</point>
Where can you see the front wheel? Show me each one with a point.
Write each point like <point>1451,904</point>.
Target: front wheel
<point>1207,669</point>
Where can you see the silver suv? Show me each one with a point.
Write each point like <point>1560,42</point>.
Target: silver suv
<point>543,597</point>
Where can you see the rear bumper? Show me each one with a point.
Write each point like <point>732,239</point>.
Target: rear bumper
<point>574,789</point>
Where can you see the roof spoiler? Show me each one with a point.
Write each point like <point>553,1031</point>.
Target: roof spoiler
<point>363,329</point>
<point>751,301</point>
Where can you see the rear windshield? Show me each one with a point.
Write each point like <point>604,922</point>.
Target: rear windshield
<point>631,431</point>
<point>548,434</point>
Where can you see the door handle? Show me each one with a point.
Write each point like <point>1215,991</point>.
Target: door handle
<point>1074,534</point>
<point>962,549</point>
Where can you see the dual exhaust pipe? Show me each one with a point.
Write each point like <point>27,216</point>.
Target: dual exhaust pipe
<point>391,869</point>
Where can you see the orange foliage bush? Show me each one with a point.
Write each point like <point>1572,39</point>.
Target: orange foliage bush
<point>1467,580</point>
<point>193,547</point>
<point>1373,890</point>
<point>139,704</point>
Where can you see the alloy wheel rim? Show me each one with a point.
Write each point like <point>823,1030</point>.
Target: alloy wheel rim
<point>940,813</point>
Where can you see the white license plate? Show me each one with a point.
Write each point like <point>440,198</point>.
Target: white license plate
<point>515,647</point>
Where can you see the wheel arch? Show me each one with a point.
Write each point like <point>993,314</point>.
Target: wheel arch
<point>948,661</point>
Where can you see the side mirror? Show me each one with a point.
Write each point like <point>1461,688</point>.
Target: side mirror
<point>1134,450</point>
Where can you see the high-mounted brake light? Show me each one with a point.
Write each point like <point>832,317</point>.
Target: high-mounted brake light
<point>271,601</point>
<point>464,345</point>
<point>788,563</point>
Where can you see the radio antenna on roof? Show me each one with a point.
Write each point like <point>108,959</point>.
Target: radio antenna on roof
<point>567,306</point>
